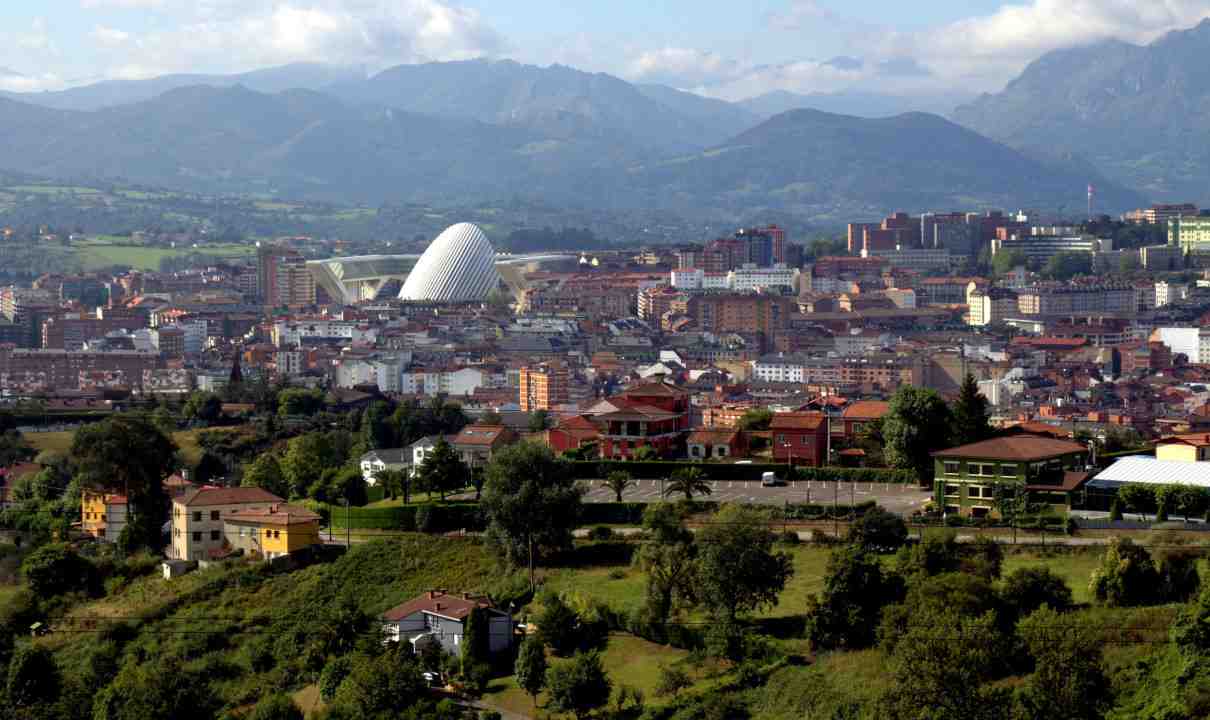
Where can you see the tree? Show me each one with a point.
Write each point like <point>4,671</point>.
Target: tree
<point>1027,589</point>
<point>56,569</point>
<point>204,407</point>
<point>1138,498</point>
<point>1191,631</point>
<point>491,417</point>
<point>916,424</point>
<point>559,625</point>
<point>334,673</point>
<point>969,417</point>
<point>530,668</point>
<point>532,503</point>
<point>1005,261</point>
<point>127,454</point>
<point>938,552</point>
<point>476,647</point>
<point>738,571</point>
<point>855,589</point>
<point>579,686</point>
<point>619,481</point>
<point>671,570</point>
<point>645,453</point>
<point>1068,682</point>
<point>672,681</point>
<point>442,471</point>
<point>1066,265</point>
<point>299,401</point>
<point>307,457</point>
<point>265,473</point>
<point>538,420</point>
<point>162,689</point>
<point>688,482</point>
<point>376,428</point>
<point>394,483</point>
<point>939,675</point>
<point>878,530</point>
<point>278,706</point>
<point>33,677</point>
<point>390,684</point>
<point>1126,576</point>
<point>755,419</point>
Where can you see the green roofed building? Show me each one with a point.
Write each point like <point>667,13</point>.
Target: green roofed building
<point>1052,471</point>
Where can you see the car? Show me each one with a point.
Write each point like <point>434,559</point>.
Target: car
<point>770,479</point>
<point>433,679</point>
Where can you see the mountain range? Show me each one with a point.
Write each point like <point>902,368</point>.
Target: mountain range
<point>1139,114</point>
<point>493,130</point>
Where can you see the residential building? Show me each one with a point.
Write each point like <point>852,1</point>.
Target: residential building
<point>800,438</point>
<point>858,415</point>
<point>716,443</point>
<point>1161,258</point>
<point>295,285</point>
<point>271,532</point>
<point>439,618</point>
<point>1167,293</point>
<point>1184,448</point>
<point>477,444</point>
<point>376,461</point>
<point>1160,214</point>
<point>198,518</point>
<point>991,305</point>
<point>1049,469</point>
<point>103,515</point>
<point>1039,248</point>
<point>543,386</point>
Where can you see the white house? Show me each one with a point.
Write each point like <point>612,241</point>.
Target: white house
<point>439,617</point>
<point>375,461</point>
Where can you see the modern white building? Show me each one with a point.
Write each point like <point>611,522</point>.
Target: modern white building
<point>1167,293</point>
<point>291,333</point>
<point>459,266</point>
<point>1181,340</point>
<point>780,368</point>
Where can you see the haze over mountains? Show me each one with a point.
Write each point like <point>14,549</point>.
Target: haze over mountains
<point>1141,114</point>
<point>495,130</point>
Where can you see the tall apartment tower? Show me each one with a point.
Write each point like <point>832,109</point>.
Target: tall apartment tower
<point>294,284</point>
<point>269,259</point>
<point>543,387</point>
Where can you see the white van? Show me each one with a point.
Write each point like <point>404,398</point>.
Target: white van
<point>770,479</point>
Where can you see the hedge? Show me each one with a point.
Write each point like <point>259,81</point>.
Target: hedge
<point>589,470</point>
<point>631,513</point>
<point>436,517</point>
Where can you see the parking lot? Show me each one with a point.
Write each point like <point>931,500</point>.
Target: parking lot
<point>895,498</point>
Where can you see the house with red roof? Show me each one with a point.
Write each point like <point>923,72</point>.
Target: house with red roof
<point>200,514</point>
<point>440,618</point>
<point>800,438</point>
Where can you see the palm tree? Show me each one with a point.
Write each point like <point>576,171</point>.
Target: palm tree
<point>618,481</point>
<point>689,482</point>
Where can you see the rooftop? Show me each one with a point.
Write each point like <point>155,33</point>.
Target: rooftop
<point>455,607</point>
<point>1146,470</point>
<point>1014,447</point>
<point>866,410</point>
<point>797,421</point>
<point>227,496</point>
<point>276,515</point>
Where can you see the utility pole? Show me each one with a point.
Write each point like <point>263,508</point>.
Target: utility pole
<point>835,507</point>
<point>348,527</point>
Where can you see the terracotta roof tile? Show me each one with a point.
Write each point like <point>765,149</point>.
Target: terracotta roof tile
<point>866,410</point>
<point>456,607</point>
<point>227,496</point>
<point>1013,447</point>
<point>797,421</point>
<point>276,515</point>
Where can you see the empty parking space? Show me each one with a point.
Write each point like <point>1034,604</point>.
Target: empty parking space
<point>896,498</point>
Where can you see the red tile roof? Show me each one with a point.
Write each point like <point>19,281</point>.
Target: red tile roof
<point>455,607</point>
<point>797,421</point>
<point>704,436</point>
<point>866,410</point>
<point>1013,447</point>
<point>1194,439</point>
<point>478,435</point>
<point>228,496</point>
<point>1072,480</point>
<point>276,515</point>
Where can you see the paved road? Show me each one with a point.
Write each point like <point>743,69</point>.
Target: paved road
<point>896,498</point>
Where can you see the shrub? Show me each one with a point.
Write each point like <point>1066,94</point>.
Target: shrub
<point>427,518</point>
<point>789,537</point>
<point>672,681</point>
<point>879,530</point>
<point>1027,589</point>
<point>1126,577</point>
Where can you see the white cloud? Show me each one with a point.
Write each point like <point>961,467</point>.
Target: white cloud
<point>683,67</point>
<point>109,37</point>
<point>237,35</point>
<point>800,14</point>
<point>989,50</point>
<point>15,82</point>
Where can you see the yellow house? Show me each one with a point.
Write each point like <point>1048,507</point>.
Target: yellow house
<point>273,531</point>
<point>102,515</point>
<point>1184,448</point>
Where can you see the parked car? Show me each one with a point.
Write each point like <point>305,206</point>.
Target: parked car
<point>770,479</point>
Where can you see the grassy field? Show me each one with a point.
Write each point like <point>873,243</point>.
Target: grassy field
<point>1075,568</point>
<point>93,256</point>
<point>186,440</point>
<point>628,660</point>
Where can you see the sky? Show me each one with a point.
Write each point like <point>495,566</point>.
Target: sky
<point>733,49</point>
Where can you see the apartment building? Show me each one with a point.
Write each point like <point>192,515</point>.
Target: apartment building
<point>199,516</point>
<point>543,386</point>
<point>1190,234</point>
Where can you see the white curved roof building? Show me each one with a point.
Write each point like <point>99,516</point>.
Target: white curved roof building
<point>459,266</point>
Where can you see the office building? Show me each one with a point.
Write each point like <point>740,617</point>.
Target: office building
<point>1190,234</point>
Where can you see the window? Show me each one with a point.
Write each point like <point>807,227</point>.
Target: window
<point>984,469</point>
<point>276,534</point>
<point>214,535</point>
<point>978,491</point>
<point>197,516</point>
<point>1008,470</point>
<point>953,467</point>
<point>197,537</point>
<point>952,490</point>
<point>214,514</point>
<point>241,532</point>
